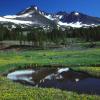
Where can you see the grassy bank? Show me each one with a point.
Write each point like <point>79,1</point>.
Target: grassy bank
<point>71,58</point>
<point>15,91</point>
<point>94,71</point>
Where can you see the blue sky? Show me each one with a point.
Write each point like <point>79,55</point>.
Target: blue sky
<point>90,7</point>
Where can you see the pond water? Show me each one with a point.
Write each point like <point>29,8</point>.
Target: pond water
<point>61,78</point>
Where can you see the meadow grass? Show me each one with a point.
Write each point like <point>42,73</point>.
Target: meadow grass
<point>94,71</point>
<point>70,58</point>
<point>80,60</point>
<point>16,91</point>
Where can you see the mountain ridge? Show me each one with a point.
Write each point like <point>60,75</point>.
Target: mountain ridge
<point>33,16</point>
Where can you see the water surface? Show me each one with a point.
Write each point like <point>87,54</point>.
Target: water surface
<point>61,78</point>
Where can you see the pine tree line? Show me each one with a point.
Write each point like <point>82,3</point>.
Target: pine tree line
<point>40,37</point>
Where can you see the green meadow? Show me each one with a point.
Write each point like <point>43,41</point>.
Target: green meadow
<point>70,58</point>
<point>87,60</point>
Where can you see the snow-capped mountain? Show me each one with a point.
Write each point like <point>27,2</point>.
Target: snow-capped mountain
<point>33,16</point>
<point>76,19</point>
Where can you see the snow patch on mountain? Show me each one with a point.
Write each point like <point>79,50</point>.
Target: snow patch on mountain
<point>59,16</point>
<point>53,17</point>
<point>36,8</point>
<point>77,24</point>
<point>49,17</point>
<point>10,16</point>
<point>15,21</point>
<point>76,13</point>
<point>18,16</point>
